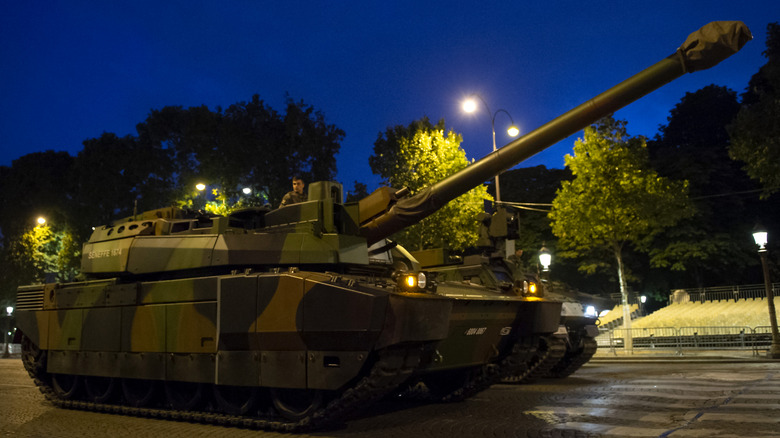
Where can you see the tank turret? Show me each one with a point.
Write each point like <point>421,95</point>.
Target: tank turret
<point>294,318</point>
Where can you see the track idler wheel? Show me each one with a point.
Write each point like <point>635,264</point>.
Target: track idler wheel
<point>296,404</point>
<point>33,359</point>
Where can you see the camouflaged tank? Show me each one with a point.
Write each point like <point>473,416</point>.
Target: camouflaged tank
<point>561,353</point>
<point>297,317</point>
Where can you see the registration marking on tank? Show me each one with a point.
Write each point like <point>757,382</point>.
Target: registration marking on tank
<point>476,331</point>
<point>105,253</point>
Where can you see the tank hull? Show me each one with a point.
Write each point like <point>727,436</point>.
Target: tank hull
<point>313,332</point>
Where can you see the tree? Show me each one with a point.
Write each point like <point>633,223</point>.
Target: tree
<point>112,177</point>
<point>614,200</point>
<point>755,134</point>
<point>358,192</point>
<point>417,156</point>
<point>248,145</point>
<point>708,248</point>
<point>36,184</point>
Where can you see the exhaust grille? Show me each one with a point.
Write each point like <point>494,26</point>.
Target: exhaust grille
<point>30,297</point>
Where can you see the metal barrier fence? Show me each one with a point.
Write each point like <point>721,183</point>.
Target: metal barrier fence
<point>677,339</point>
<point>735,293</point>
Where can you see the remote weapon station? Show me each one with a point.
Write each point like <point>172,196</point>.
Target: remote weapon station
<point>294,318</point>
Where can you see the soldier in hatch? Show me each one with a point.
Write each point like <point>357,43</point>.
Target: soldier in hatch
<point>296,195</point>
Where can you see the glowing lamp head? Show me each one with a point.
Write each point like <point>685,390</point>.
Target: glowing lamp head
<point>470,105</point>
<point>545,258</point>
<point>200,186</point>
<point>246,190</point>
<point>513,131</point>
<point>761,237</point>
<point>41,220</point>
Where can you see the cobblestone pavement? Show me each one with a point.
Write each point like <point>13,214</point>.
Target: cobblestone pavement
<point>611,399</point>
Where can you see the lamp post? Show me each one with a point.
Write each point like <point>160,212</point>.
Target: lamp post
<point>8,310</point>
<point>761,237</point>
<point>470,105</point>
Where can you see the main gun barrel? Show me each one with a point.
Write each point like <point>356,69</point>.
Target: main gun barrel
<point>701,50</point>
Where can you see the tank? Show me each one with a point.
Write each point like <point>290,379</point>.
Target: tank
<point>562,353</point>
<point>296,318</point>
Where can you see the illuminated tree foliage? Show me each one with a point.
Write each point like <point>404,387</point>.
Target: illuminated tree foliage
<point>614,200</point>
<point>43,254</point>
<point>418,156</point>
<point>755,135</point>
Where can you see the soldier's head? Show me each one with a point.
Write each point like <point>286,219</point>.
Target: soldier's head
<point>298,184</point>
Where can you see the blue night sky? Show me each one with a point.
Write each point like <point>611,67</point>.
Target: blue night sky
<point>71,70</point>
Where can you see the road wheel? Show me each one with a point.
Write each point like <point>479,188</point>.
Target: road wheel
<point>66,386</point>
<point>235,400</point>
<point>296,404</point>
<point>139,392</point>
<point>184,396</point>
<point>100,389</point>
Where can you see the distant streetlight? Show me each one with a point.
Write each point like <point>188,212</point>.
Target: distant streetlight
<point>200,186</point>
<point>41,220</point>
<point>761,238</point>
<point>9,311</point>
<point>246,190</point>
<point>470,105</point>
<point>545,258</point>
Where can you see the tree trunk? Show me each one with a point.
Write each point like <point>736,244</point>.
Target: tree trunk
<point>628,343</point>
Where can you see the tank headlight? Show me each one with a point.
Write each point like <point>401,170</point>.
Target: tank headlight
<point>413,282</point>
<point>531,288</point>
<point>422,280</point>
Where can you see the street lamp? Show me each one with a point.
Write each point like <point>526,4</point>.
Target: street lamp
<point>545,258</point>
<point>761,237</point>
<point>470,105</point>
<point>41,220</point>
<point>200,187</point>
<point>6,351</point>
<point>246,190</point>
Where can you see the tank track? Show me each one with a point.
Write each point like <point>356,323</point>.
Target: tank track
<point>573,361</point>
<point>554,349</point>
<point>481,378</point>
<point>392,368</point>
